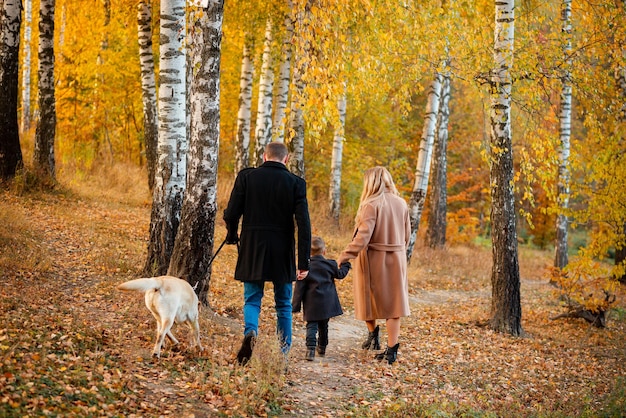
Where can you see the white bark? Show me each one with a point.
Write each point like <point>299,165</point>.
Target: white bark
<point>436,236</point>
<point>422,170</point>
<point>46,127</point>
<point>242,148</point>
<point>169,184</point>
<point>263,131</point>
<point>301,62</point>
<point>194,241</point>
<point>26,62</point>
<point>336,160</point>
<point>506,311</point>
<point>148,88</point>
<point>565,126</point>
<point>284,76</point>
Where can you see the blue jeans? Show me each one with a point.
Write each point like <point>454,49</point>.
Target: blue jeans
<point>252,297</point>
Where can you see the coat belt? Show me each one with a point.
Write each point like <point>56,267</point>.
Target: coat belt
<point>386,247</point>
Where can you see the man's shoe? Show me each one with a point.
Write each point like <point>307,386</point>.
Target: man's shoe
<point>310,354</point>
<point>321,351</point>
<point>245,352</point>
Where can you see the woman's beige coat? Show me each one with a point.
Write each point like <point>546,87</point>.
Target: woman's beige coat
<point>381,289</point>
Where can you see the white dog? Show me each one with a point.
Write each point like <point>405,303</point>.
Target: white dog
<point>170,300</point>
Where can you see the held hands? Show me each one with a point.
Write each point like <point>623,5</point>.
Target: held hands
<point>302,274</point>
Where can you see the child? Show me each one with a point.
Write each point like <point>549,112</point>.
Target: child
<point>317,293</point>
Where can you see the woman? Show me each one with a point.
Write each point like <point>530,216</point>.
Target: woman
<point>379,244</point>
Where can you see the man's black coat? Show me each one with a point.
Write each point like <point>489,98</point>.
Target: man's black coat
<point>269,198</point>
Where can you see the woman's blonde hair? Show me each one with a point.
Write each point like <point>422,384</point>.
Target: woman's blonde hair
<point>375,181</point>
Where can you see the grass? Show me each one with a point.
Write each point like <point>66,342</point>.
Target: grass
<point>71,345</point>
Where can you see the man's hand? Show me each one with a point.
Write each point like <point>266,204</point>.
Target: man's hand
<point>302,274</point>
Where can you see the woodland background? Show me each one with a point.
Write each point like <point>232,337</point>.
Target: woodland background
<point>382,58</point>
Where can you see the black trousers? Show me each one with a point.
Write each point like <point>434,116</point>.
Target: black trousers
<point>312,329</point>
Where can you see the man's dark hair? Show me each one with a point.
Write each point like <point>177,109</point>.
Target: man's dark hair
<point>276,151</point>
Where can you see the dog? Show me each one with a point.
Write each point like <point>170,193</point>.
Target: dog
<point>171,300</point>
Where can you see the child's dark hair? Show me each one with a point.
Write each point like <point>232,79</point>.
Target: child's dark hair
<point>317,245</point>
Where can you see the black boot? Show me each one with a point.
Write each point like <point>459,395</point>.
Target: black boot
<point>310,354</point>
<point>390,354</point>
<point>245,352</point>
<point>373,340</point>
<point>321,350</point>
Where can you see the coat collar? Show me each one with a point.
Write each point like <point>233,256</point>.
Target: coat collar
<point>273,164</point>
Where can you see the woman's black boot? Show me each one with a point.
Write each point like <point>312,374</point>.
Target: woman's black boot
<point>373,340</point>
<point>390,354</point>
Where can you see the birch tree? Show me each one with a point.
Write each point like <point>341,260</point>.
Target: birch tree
<point>620,81</point>
<point>284,76</point>
<point>10,151</point>
<point>336,161</point>
<point>422,170</point>
<point>194,244</point>
<point>565,127</point>
<point>46,126</point>
<point>436,235</point>
<point>242,146</point>
<point>296,121</point>
<point>506,311</point>
<point>169,182</point>
<point>263,131</point>
<point>26,62</point>
<point>148,88</point>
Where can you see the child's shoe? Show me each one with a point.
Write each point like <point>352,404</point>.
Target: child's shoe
<point>310,354</point>
<point>321,351</point>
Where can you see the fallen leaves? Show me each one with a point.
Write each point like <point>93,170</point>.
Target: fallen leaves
<point>71,344</point>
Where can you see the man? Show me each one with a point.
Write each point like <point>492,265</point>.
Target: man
<point>269,198</point>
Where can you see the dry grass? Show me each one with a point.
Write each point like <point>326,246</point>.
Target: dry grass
<point>72,345</point>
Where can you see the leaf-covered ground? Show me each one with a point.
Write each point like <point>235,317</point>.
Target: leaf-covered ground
<point>72,345</point>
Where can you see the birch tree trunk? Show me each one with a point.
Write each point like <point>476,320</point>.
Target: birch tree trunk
<point>436,235</point>
<point>26,62</point>
<point>169,182</point>
<point>46,127</point>
<point>284,76</point>
<point>10,151</point>
<point>296,120</point>
<point>336,161</point>
<point>242,151</point>
<point>620,81</point>
<point>148,88</point>
<point>422,170</point>
<point>263,131</point>
<point>194,244</point>
<point>506,311</point>
<point>565,126</point>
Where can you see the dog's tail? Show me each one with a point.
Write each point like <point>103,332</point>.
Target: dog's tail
<point>141,284</point>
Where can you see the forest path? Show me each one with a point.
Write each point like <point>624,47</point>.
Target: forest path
<point>336,382</point>
<point>74,334</point>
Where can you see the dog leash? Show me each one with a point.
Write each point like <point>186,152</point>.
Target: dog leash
<point>218,250</point>
<point>216,253</point>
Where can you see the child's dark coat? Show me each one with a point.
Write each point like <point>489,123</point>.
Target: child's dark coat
<point>317,292</point>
